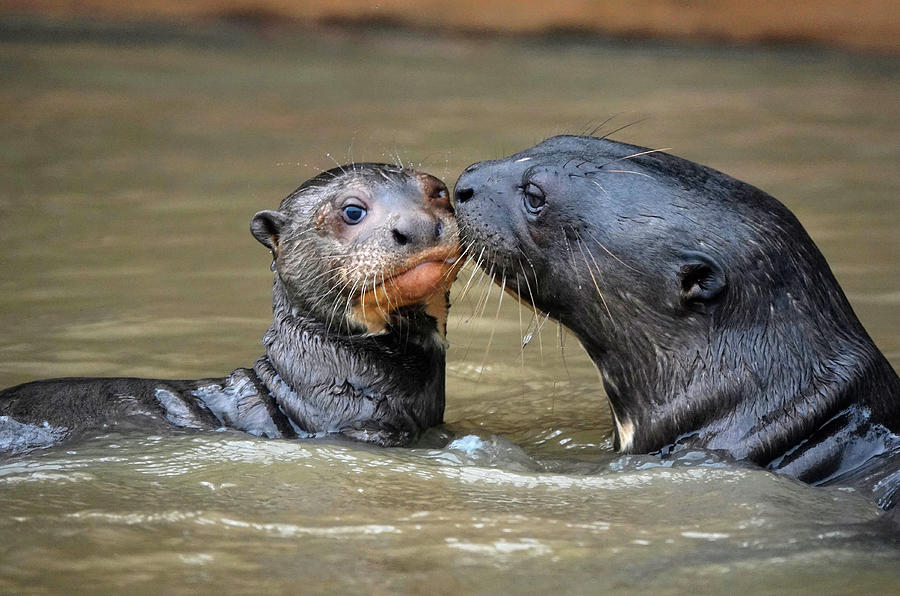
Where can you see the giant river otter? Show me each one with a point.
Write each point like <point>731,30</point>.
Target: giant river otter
<point>364,256</point>
<point>714,319</point>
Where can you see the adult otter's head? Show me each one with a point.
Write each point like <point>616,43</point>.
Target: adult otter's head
<point>360,245</point>
<point>702,300</point>
<point>592,232</point>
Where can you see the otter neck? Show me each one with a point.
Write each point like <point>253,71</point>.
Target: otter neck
<point>294,325</point>
<point>327,381</point>
<point>686,393</point>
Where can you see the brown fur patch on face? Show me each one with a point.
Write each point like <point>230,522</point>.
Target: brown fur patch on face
<point>434,191</point>
<point>374,308</point>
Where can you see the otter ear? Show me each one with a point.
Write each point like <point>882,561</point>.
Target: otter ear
<point>266,227</point>
<point>701,277</point>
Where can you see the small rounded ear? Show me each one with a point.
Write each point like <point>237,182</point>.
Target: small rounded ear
<point>266,227</point>
<point>701,277</point>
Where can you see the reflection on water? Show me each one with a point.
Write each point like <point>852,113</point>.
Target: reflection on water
<point>129,171</point>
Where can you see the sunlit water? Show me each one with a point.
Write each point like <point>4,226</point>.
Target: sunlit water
<point>131,163</point>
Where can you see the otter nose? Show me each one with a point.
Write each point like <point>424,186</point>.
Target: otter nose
<point>416,231</point>
<point>464,194</point>
<point>472,178</point>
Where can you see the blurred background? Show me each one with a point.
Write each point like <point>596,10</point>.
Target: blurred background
<point>867,24</point>
<point>137,139</point>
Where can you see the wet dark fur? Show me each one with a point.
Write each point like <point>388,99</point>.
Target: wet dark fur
<point>322,372</point>
<point>713,317</point>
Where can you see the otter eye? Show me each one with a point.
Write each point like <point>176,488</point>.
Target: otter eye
<point>534,198</point>
<point>353,214</point>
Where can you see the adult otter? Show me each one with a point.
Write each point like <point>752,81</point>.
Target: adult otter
<point>364,256</point>
<point>714,319</point>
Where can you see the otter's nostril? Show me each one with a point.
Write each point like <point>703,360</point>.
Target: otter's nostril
<point>464,194</point>
<point>438,229</point>
<point>401,238</point>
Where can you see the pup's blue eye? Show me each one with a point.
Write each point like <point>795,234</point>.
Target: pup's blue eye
<point>353,214</point>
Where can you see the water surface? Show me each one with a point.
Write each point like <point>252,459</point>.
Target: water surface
<point>131,163</point>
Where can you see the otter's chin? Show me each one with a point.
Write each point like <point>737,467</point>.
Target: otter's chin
<point>425,284</point>
<point>419,282</point>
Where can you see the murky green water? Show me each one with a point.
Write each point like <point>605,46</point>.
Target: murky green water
<point>130,164</point>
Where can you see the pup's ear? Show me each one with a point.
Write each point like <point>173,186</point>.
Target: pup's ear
<point>701,278</point>
<point>266,226</point>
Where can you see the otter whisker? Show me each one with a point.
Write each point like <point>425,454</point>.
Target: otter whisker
<point>485,292</point>
<point>471,269</point>
<point>294,294</point>
<point>362,303</point>
<point>336,255</point>
<point>304,232</point>
<point>522,349</point>
<point>475,270</point>
<point>594,279</point>
<point>598,185</point>
<point>330,317</point>
<point>321,275</point>
<point>390,305</point>
<point>335,288</point>
<point>593,131</point>
<point>347,306</point>
<point>534,306</point>
<point>487,296</point>
<point>332,274</point>
<point>482,281</point>
<point>348,297</point>
<point>375,290</point>
<point>465,249</point>
<point>337,163</point>
<point>631,172</point>
<point>485,281</point>
<point>449,270</point>
<point>594,182</point>
<point>522,335</point>
<point>571,257</point>
<point>633,155</point>
<point>600,244</point>
<point>530,264</point>
<point>614,131</point>
<point>494,326</point>
<point>391,308</point>
<point>536,325</point>
<point>561,342</point>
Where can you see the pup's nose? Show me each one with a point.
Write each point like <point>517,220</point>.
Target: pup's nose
<point>416,231</point>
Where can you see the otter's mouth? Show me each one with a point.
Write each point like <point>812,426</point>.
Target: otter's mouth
<point>419,281</point>
<point>431,271</point>
<point>423,279</point>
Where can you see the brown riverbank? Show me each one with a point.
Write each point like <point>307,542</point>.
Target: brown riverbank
<point>871,25</point>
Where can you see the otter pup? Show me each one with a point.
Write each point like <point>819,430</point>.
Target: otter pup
<point>714,319</point>
<point>364,256</point>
